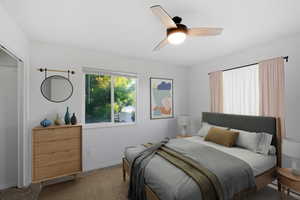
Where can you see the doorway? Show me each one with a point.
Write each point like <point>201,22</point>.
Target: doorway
<point>10,112</point>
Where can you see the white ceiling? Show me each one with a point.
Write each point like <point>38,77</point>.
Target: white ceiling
<point>128,27</point>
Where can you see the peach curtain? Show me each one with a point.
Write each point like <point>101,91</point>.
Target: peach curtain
<point>216,91</point>
<point>271,89</point>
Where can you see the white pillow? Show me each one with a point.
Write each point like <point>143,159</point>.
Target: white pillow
<point>248,140</point>
<point>272,150</point>
<point>206,127</point>
<point>264,143</point>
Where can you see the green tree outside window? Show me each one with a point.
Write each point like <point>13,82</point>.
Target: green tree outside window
<point>98,98</point>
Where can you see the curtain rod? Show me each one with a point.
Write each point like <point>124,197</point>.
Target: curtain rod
<point>286,58</point>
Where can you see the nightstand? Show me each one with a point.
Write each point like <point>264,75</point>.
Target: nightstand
<point>287,180</point>
<point>181,136</point>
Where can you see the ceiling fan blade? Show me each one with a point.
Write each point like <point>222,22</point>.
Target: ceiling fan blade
<point>161,44</point>
<point>204,31</point>
<point>163,16</point>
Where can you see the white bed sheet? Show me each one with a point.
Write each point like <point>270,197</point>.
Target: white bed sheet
<point>259,163</point>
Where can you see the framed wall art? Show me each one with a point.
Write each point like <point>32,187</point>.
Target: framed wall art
<point>161,98</point>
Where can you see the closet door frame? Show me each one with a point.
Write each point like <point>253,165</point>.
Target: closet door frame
<point>22,108</point>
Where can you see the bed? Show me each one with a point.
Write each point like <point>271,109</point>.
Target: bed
<point>160,186</point>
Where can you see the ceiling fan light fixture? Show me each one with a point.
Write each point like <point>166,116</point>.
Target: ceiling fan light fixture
<point>176,31</point>
<point>177,37</point>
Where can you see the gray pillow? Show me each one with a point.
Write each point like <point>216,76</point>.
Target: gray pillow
<point>248,140</point>
<point>206,127</point>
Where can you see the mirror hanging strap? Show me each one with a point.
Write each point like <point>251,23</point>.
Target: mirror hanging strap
<point>45,73</point>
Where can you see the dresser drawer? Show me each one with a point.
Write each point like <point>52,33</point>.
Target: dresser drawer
<point>56,146</point>
<point>55,134</point>
<point>55,158</point>
<point>57,170</point>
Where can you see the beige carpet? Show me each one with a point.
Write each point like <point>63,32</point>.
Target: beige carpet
<point>106,184</point>
<point>30,193</point>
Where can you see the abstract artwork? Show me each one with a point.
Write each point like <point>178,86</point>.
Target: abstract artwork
<point>161,100</point>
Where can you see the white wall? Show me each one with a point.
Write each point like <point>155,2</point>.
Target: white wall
<point>289,46</point>
<point>12,37</point>
<point>104,146</point>
<point>8,122</point>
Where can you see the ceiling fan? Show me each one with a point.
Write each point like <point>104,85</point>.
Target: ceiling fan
<point>177,32</point>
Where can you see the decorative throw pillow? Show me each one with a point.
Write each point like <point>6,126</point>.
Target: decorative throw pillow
<point>222,136</point>
<point>248,140</point>
<point>206,127</point>
<point>264,143</point>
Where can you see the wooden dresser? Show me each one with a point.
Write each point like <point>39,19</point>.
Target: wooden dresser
<point>56,152</point>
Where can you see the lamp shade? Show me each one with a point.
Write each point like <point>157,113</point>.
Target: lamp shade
<point>291,148</point>
<point>183,120</point>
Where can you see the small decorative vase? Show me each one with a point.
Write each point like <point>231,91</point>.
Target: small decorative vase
<point>67,117</point>
<point>57,120</point>
<point>45,123</point>
<point>73,119</point>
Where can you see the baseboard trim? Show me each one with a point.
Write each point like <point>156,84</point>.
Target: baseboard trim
<point>7,185</point>
<point>103,165</point>
<point>294,193</point>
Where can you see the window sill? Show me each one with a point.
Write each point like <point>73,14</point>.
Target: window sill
<point>106,125</point>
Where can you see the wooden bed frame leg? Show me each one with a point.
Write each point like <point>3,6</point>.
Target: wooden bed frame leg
<point>124,172</point>
<point>237,196</point>
<point>279,186</point>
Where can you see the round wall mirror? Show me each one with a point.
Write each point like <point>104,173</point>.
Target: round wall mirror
<point>57,88</point>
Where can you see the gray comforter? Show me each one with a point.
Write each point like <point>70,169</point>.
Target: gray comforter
<point>170,183</point>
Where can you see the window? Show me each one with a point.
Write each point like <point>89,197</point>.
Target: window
<point>241,91</point>
<point>110,98</point>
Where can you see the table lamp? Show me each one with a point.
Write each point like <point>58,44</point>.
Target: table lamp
<point>291,149</point>
<point>183,122</point>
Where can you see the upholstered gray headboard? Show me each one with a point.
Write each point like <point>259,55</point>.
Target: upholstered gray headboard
<point>243,122</point>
